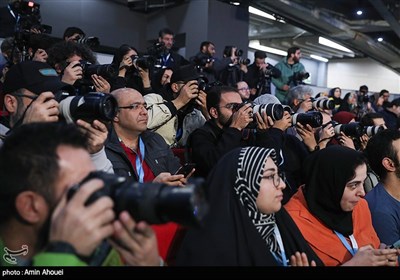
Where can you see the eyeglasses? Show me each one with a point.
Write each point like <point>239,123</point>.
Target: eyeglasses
<point>232,106</point>
<point>244,88</point>
<point>24,95</point>
<point>276,178</point>
<point>134,106</point>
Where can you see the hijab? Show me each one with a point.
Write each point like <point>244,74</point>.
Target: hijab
<point>326,175</point>
<point>247,186</point>
<point>234,232</point>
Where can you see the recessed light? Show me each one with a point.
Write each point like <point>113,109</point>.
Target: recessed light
<point>359,12</point>
<point>380,39</point>
<point>235,3</point>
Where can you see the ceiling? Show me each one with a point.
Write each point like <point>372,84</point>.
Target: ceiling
<point>306,20</point>
<point>301,22</point>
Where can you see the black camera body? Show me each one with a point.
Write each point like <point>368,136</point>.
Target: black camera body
<point>300,76</point>
<point>145,61</point>
<point>314,119</point>
<point>88,107</point>
<point>154,203</point>
<point>107,71</point>
<point>202,59</point>
<point>157,50</point>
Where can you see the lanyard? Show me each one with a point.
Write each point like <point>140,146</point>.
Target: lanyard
<point>278,237</point>
<point>139,161</point>
<point>354,247</point>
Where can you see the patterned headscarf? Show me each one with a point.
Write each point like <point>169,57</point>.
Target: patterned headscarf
<point>247,186</point>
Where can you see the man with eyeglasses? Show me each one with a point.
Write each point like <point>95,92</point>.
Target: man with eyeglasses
<point>29,96</point>
<point>141,155</point>
<point>226,129</point>
<point>244,90</point>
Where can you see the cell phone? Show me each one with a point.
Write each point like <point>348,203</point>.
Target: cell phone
<point>185,169</point>
<point>395,245</point>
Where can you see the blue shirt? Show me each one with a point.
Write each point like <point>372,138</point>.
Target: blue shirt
<point>385,212</point>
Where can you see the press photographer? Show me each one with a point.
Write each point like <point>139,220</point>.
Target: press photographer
<point>236,69</point>
<point>288,66</point>
<point>78,66</point>
<point>259,75</point>
<point>30,90</point>
<point>135,70</point>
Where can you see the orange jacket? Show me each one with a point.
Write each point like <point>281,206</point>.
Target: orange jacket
<point>322,239</point>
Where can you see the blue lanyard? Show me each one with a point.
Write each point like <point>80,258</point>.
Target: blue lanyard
<point>278,237</point>
<point>354,247</point>
<point>139,161</point>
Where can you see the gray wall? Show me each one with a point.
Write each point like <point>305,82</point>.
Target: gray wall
<point>115,24</point>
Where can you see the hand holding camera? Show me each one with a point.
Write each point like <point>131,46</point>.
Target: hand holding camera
<point>242,117</point>
<point>72,73</point>
<point>81,225</point>
<point>44,108</point>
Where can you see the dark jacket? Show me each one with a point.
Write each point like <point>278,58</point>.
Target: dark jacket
<point>158,156</point>
<point>209,143</point>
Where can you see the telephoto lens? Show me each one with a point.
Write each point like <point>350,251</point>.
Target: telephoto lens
<point>323,103</point>
<point>88,107</point>
<point>372,130</point>
<point>314,119</point>
<point>273,110</point>
<point>353,129</point>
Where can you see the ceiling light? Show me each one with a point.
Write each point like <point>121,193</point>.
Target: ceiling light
<point>380,39</point>
<point>359,12</point>
<point>320,58</point>
<point>235,3</point>
<point>255,44</point>
<point>260,13</point>
<point>331,44</point>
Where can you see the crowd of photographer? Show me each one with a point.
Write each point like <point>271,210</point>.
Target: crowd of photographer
<point>93,162</point>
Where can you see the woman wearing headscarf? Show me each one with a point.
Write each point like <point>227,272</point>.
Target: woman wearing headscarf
<point>246,224</point>
<point>332,214</point>
<point>131,73</point>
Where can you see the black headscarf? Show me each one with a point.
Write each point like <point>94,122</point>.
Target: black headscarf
<point>235,232</point>
<point>326,175</point>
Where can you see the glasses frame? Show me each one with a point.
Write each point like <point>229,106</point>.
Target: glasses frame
<point>134,106</point>
<point>276,178</point>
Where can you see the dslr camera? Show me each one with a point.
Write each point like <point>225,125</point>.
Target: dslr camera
<point>91,42</point>
<point>355,129</point>
<point>314,119</point>
<point>88,107</point>
<point>322,103</point>
<point>273,110</point>
<point>107,71</point>
<point>154,203</point>
<point>145,61</point>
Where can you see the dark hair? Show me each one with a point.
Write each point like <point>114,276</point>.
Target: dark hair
<point>29,161</point>
<point>214,96</point>
<point>120,52</point>
<point>61,51</point>
<point>205,44</point>
<point>260,54</point>
<point>332,91</point>
<point>363,87</point>
<point>368,119</point>
<point>395,102</point>
<point>165,31</point>
<point>383,91</point>
<point>72,30</point>
<point>291,51</point>
<point>380,146</point>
